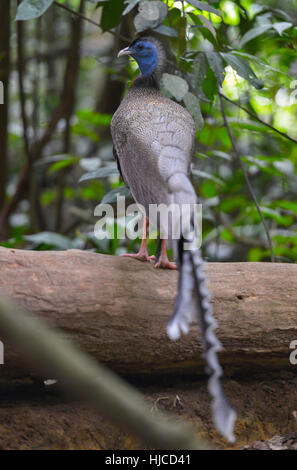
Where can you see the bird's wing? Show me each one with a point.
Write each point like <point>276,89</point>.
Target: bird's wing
<point>153,137</point>
<point>118,163</point>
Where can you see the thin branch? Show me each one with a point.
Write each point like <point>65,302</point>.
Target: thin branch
<point>250,187</point>
<point>253,115</point>
<point>86,18</point>
<point>76,13</point>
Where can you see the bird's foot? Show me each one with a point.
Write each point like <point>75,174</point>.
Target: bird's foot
<point>141,256</point>
<point>164,263</point>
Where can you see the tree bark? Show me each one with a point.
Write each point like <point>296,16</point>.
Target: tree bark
<point>4,77</point>
<point>117,310</point>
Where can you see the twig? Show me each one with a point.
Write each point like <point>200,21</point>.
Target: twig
<point>86,18</point>
<point>76,13</point>
<point>250,187</point>
<point>283,134</point>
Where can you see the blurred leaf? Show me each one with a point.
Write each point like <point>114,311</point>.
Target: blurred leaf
<point>204,174</point>
<point>281,26</point>
<point>284,220</point>
<point>55,158</point>
<point>289,205</point>
<point>93,117</point>
<point>29,9</point>
<point>193,106</point>
<point>285,166</point>
<point>200,68</point>
<point>208,189</point>
<point>99,173</point>
<point>253,33</point>
<point>166,31</point>
<point>150,15</point>
<point>90,164</point>
<point>177,86</point>
<point>243,69</point>
<point>204,7</point>
<point>111,13</point>
<point>55,240</point>
<point>60,165</point>
<point>209,25</point>
<point>220,154</point>
<point>130,6</point>
<point>111,197</point>
<point>257,59</point>
<point>216,65</point>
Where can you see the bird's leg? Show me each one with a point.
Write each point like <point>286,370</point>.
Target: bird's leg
<point>142,255</point>
<point>162,260</point>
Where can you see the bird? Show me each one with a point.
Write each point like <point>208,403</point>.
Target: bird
<point>153,139</point>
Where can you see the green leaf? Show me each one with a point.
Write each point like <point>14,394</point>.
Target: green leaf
<point>150,15</point>
<point>209,25</point>
<point>281,26</point>
<point>288,205</point>
<point>193,106</point>
<point>93,117</point>
<point>208,189</point>
<point>111,14</point>
<point>54,158</point>
<point>284,220</point>
<point>257,59</point>
<point>216,65</point>
<point>29,9</point>
<point>60,165</point>
<point>52,239</point>
<point>246,124</point>
<point>200,68</point>
<point>99,173</point>
<point>254,32</point>
<point>130,6</point>
<point>177,86</point>
<point>243,69</point>
<point>208,176</point>
<point>204,7</point>
<point>285,166</point>
<point>220,154</point>
<point>166,31</point>
<point>111,197</point>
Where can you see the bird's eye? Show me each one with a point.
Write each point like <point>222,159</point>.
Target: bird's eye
<point>140,46</point>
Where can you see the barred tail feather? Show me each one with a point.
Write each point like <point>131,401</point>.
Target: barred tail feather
<point>193,301</point>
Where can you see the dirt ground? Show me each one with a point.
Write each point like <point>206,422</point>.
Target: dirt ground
<point>36,417</point>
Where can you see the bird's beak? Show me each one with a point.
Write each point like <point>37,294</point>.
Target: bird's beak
<point>125,51</point>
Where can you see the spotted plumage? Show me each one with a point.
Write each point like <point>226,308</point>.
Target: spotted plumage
<point>153,138</point>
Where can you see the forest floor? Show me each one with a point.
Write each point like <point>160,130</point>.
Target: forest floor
<point>37,417</point>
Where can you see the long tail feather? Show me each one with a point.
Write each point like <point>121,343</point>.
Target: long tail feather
<point>193,302</point>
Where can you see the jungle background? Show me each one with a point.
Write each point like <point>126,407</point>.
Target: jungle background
<point>234,66</point>
<point>62,82</point>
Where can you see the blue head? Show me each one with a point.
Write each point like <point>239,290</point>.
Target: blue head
<point>145,53</point>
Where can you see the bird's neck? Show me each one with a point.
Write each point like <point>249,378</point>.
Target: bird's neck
<point>147,81</point>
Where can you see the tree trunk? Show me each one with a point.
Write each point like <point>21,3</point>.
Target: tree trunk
<point>4,78</point>
<point>117,310</point>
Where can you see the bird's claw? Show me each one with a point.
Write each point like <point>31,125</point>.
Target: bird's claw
<point>141,256</point>
<point>165,264</point>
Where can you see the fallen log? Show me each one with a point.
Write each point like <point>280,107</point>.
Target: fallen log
<point>117,309</point>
